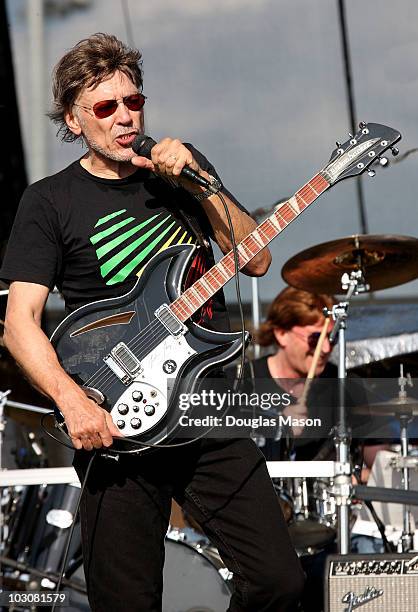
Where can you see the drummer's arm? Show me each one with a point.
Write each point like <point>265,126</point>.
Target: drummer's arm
<point>369,455</point>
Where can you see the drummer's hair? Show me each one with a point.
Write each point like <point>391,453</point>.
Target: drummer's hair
<point>291,307</point>
<point>91,61</point>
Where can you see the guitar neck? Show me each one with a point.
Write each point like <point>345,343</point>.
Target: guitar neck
<point>217,276</point>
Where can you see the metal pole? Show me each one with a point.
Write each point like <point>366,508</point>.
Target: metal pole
<point>351,106</point>
<point>37,143</point>
<point>255,297</point>
<point>343,448</point>
<point>407,535</point>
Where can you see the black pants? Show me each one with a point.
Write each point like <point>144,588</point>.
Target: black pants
<point>224,485</point>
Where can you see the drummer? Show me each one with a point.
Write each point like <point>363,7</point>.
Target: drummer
<point>295,320</point>
<point>293,326</point>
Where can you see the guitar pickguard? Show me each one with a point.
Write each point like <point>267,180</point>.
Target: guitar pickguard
<point>145,401</point>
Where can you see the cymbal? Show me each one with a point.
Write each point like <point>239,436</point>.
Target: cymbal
<point>393,407</point>
<point>386,261</point>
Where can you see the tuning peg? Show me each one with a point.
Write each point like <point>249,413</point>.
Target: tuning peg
<point>351,135</point>
<point>395,151</point>
<point>362,125</point>
<point>383,161</point>
<point>338,143</point>
<point>371,173</point>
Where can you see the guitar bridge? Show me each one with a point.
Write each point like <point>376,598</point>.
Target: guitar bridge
<point>123,363</point>
<point>166,316</point>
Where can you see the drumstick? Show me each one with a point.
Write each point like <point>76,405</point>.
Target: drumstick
<point>318,349</point>
<point>315,358</point>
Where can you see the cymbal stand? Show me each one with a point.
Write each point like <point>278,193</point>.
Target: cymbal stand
<point>354,284</point>
<point>3,398</point>
<point>404,420</point>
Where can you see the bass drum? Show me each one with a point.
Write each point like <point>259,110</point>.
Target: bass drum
<point>195,580</point>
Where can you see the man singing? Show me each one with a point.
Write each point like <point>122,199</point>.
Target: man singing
<point>90,230</point>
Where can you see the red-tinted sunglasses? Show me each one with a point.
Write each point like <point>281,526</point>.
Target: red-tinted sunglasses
<point>312,339</point>
<point>105,108</point>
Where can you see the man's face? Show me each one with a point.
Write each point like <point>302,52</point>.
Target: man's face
<point>112,136</point>
<point>296,350</point>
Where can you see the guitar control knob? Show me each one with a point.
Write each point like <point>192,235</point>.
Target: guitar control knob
<point>135,423</point>
<point>149,410</point>
<point>137,396</point>
<point>123,409</point>
<point>120,424</point>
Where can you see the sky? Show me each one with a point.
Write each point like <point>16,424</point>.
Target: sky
<point>258,86</point>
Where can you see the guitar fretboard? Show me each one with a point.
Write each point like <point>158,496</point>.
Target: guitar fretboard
<point>217,276</point>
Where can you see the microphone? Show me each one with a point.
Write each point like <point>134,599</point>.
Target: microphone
<point>142,146</point>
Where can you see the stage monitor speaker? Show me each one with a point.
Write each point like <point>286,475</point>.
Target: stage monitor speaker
<point>374,583</point>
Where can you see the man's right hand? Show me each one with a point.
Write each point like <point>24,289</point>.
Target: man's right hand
<point>88,425</point>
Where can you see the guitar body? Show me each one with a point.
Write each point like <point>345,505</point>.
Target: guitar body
<point>127,360</point>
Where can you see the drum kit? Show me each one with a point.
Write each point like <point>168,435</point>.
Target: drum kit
<point>315,496</point>
<point>355,264</point>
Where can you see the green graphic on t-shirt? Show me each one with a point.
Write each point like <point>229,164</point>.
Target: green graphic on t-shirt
<point>118,251</point>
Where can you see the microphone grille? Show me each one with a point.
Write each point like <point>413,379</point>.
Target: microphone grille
<point>142,145</point>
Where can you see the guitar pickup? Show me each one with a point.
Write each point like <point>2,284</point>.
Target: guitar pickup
<point>123,363</point>
<point>166,316</point>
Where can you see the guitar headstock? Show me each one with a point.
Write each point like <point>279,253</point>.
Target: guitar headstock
<point>361,151</point>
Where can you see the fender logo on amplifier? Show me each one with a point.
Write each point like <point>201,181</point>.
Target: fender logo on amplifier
<point>355,601</point>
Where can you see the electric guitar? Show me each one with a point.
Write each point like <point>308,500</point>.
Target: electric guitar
<point>135,354</point>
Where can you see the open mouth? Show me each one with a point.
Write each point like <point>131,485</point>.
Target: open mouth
<point>125,140</point>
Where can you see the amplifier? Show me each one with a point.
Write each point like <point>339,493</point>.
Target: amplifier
<point>374,583</point>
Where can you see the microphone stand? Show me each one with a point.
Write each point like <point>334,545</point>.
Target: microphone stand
<point>343,489</point>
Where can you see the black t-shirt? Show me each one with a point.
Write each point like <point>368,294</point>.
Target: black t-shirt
<point>322,403</point>
<point>92,236</point>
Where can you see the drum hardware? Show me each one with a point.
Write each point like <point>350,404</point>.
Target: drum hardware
<point>39,577</point>
<point>309,512</point>
<point>386,495</point>
<point>400,463</point>
<point>354,283</point>
<point>404,420</point>
<point>38,476</point>
<point>404,408</point>
<point>3,401</point>
<point>3,398</point>
<point>385,261</point>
